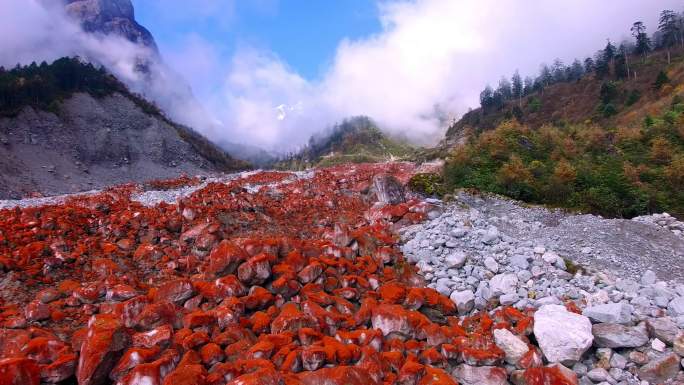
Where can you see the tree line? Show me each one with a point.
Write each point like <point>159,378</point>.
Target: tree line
<point>42,85</point>
<point>612,61</point>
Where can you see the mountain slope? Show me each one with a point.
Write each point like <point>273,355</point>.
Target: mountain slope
<point>609,146</point>
<point>356,140</point>
<point>69,127</point>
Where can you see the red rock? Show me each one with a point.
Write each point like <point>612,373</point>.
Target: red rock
<point>176,291</point>
<point>230,286</point>
<point>224,256</point>
<point>12,342</point>
<point>37,311</point>
<point>259,377</point>
<point>157,314</point>
<point>341,375</point>
<point>186,375</point>
<point>120,293</point>
<point>554,374</point>
<point>48,295</point>
<point>258,298</point>
<point>102,348</point>
<point>292,319</point>
<point>198,318</point>
<point>19,371</point>
<point>313,357</point>
<point>436,376</point>
<point>211,353</point>
<point>391,319</point>
<point>310,272</point>
<point>60,369</point>
<point>159,337</point>
<point>44,350</point>
<point>195,339</point>
<point>130,359</point>
<point>255,270</point>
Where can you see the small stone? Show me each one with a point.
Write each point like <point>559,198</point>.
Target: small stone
<point>491,237</point>
<point>491,265</point>
<point>519,261</point>
<point>550,257</point>
<point>455,260</point>
<point>464,300</point>
<point>598,375</point>
<point>638,358</point>
<point>678,344</point>
<point>676,306</point>
<point>512,345</point>
<point>508,299</point>
<point>658,345</point>
<point>618,361</point>
<point>648,278</point>
<point>503,284</point>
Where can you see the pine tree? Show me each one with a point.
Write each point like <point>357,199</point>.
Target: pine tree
<point>558,71</point>
<point>668,28</point>
<point>588,65</point>
<point>528,86</point>
<point>504,89</point>
<point>643,42</point>
<point>609,52</point>
<point>486,97</point>
<point>517,87</point>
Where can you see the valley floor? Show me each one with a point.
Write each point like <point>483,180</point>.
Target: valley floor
<point>302,278</point>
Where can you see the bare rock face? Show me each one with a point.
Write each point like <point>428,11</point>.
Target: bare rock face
<point>115,17</point>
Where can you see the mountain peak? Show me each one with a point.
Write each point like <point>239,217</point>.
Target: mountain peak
<point>110,17</point>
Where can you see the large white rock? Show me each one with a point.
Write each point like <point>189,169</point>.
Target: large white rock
<point>512,345</point>
<point>503,284</point>
<point>563,336</point>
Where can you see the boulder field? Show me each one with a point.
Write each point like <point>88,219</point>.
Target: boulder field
<point>268,277</point>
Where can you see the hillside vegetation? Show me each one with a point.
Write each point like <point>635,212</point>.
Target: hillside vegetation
<point>607,137</point>
<point>355,140</point>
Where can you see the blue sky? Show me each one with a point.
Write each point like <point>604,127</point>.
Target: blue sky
<point>303,33</point>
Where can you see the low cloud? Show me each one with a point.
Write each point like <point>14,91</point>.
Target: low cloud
<point>427,64</point>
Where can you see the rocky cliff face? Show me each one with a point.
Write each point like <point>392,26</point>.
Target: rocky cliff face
<point>110,17</point>
<point>92,143</point>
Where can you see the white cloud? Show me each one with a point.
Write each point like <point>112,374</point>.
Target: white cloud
<point>431,58</point>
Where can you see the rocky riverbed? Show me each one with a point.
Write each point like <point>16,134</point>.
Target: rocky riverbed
<point>334,276</point>
<point>601,310</point>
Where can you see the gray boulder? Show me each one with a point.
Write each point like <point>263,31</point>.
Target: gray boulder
<point>610,335</point>
<point>620,313</point>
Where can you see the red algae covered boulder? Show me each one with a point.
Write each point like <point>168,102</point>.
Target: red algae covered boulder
<point>19,371</point>
<point>105,343</point>
<point>341,375</point>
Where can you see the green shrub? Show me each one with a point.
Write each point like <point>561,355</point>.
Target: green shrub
<point>633,97</point>
<point>661,80</point>
<point>429,184</point>
<point>534,105</point>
